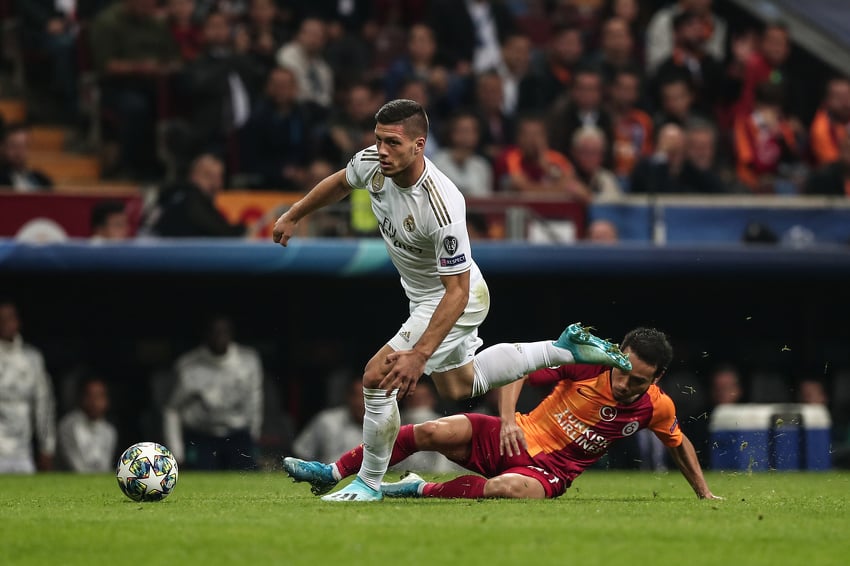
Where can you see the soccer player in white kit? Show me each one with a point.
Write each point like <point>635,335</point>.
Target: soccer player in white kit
<point>422,217</point>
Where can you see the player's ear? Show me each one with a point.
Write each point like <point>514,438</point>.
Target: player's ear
<point>420,144</point>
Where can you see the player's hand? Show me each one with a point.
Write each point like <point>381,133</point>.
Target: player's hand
<point>406,367</point>
<point>511,439</point>
<point>283,229</point>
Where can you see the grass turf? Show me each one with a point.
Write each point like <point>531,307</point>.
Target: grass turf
<point>605,518</point>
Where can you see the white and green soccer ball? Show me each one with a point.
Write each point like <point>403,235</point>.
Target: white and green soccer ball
<point>147,471</point>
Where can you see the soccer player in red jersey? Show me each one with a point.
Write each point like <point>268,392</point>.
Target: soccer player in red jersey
<point>539,454</point>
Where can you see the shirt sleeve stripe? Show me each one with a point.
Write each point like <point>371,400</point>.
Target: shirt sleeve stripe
<point>437,204</point>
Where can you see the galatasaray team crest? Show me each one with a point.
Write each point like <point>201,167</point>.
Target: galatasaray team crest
<point>409,224</point>
<point>377,182</point>
<point>608,413</point>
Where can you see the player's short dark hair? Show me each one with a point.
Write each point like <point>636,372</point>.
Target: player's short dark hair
<point>408,113</point>
<point>651,346</point>
<point>102,210</point>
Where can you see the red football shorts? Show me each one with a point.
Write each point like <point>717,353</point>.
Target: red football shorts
<point>485,459</point>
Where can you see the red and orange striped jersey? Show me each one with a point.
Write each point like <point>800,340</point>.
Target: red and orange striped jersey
<point>573,427</point>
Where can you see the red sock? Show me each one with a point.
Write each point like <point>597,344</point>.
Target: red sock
<point>463,487</point>
<point>405,445</point>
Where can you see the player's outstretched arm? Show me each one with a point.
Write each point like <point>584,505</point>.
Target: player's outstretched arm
<point>686,459</point>
<point>511,437</point>
<point>329,190</point>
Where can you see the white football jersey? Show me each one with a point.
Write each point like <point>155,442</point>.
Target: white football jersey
<point>424,229</point>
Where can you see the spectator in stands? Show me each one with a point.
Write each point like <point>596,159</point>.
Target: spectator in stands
<point>420,62</point>
<point>333,431</point>
<point>677,100</point>
<point>701,151</point>
<point>417,90</point>
<point>832,122</point>
<point>214,416</point>
<point>582,107</point>
<point>765,140</point>
<point>187,209</point>
<point>472,174</point>
<point>632,126</point>
<point>109,221</point>
<point>353,127</point>
<point>832,179</point>
<point>48,28</point>
<point>218,89</point>
<point>552,75</point>
<point>470,33</point>
<point>764,60</point>
<point>279,140</point>
<point>616,50</point>
<point>26,401</point>
<point>726,386</point>
<point>15,172</point>
<point>602,231</point>
<point>588,152</point>
<point>533,168</point>
<point>631,12</point>
<point>133,51</point>
<point>263,34</point>
<point>659,32</point>
<point>669,170</point>
<point>303,56</point>
<point>497,129</point>
<point>352,36</point>
<point>184,28</point>
<point>513,68</point>
<point>86,440</point>
<point>690,59</point>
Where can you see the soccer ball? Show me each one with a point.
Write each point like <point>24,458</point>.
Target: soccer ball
<point>147,471</point>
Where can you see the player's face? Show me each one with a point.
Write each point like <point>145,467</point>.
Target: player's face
<point>628,386</point>
<point>396,149</point>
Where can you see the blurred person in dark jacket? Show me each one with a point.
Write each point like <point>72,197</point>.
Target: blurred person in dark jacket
<point>217,88</point>
<point>187,209</point>
<point>15,171</point>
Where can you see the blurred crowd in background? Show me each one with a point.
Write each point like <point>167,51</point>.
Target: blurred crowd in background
<point>580,100</point>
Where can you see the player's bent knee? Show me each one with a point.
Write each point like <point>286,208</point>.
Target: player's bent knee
<point>426,435</point>
<point>514,486</point>
<point>372,378</point>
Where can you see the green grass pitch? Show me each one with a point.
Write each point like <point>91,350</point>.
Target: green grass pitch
<point>607,518</point>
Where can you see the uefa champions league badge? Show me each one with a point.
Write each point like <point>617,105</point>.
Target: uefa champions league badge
<point>450,244</point>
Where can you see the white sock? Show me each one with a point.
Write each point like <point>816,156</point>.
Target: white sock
<point>335,471</point>
<point>380,429</point>
<point>505,363</point>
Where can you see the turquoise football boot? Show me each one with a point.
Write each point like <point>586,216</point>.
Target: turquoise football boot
<point>320,476</point>
<point>589,349</point>
<point>354,492</point>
